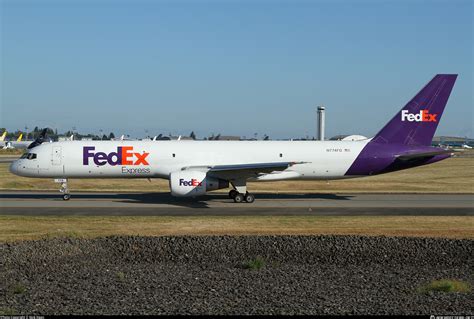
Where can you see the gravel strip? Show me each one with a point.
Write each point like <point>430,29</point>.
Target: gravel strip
<point>207,275</point>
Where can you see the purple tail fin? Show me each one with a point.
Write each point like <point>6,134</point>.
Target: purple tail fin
<point>416,122</point>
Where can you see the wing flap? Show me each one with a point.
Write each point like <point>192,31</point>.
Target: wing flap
<point>256,166</point>
<point>233,171</point>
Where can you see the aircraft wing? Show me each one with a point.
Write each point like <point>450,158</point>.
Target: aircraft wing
<point>234,171</point>
<point>416,156</point>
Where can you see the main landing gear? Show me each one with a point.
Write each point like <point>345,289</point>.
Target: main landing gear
<point>64,189</point>
<point>239,194</point>
<point>239,197</point>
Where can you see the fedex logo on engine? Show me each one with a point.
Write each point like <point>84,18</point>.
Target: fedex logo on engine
<point>123,156</point>
<point>423,116</point>
<point>192,182</point>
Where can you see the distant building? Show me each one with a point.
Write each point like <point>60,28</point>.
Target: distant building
<point>224,138</point>
<point>227,138</point>
<point>162,138</point>
<point>452,141</point>
<point>338,137</point>
<point>353,137</point>
<point>180,137</point>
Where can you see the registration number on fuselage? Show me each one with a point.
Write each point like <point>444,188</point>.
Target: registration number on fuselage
<point>338,150</point>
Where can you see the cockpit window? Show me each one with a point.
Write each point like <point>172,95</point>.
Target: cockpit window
<point>29,156</point>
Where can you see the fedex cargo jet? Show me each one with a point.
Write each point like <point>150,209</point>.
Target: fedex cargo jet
<point>196,167</point>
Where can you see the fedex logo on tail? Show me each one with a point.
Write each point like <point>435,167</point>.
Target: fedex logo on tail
<point>192,182</point>
<point>423,116</point>
<point>123,156</point>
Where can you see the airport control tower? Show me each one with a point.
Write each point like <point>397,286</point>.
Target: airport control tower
<point>320,122</point>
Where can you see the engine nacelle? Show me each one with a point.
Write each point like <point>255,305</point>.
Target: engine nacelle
<point>194,183</point>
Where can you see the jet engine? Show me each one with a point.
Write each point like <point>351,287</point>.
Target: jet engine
<point>194,183</point>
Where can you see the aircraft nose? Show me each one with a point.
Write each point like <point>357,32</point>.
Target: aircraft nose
<point>14,167</point>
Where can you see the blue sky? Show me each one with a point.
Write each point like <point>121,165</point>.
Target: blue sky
<point>231,67</point>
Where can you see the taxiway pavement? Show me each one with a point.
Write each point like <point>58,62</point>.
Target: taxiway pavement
<point>163,204</point>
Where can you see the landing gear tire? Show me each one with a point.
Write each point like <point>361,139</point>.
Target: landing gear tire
<point>239,198</point>
<point>249,198</point>
<point>64,189</point>
<point>233,193</point>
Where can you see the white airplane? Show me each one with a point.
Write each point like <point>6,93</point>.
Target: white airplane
<point>196,167</point>
<point>15,144</point>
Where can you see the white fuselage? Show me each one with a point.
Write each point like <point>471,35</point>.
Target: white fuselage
<point>77,159</point>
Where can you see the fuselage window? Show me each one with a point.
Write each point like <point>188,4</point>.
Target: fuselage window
<point>31,156</point>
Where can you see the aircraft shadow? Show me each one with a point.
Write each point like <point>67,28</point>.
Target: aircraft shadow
<point>144,198</point>
<point>202,201</point>
<point>166,198</point>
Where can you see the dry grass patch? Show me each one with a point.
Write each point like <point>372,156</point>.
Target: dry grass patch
<point>13,228</point>
<point>11,152</point>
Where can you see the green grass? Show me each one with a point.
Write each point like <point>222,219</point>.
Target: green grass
<point>446,285</point>
<point>120,275</point>
<point>255,264</point>
<point>8,311</point>
<point>18,289</point>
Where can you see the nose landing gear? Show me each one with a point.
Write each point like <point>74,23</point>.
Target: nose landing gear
<point>64,189</point>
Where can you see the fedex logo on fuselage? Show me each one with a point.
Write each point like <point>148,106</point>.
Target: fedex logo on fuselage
<point>423,116</point>
<point>123,156</point>
<point>192,182</point>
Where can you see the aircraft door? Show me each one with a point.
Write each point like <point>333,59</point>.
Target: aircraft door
<point>57,155</point>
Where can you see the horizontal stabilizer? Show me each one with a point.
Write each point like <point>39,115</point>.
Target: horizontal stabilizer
<point>408,157</point>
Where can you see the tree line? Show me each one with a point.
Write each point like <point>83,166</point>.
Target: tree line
<point>53,134</point>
